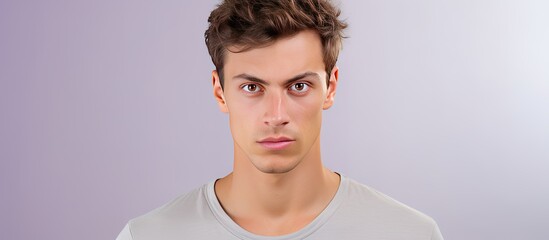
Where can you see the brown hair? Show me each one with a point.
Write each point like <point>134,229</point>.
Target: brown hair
<point>250,24</point>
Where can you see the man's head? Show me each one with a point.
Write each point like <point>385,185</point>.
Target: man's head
<point>240,25</point>
<point>277,61</point>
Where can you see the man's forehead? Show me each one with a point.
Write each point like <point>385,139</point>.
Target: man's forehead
<point>284,59</point>
<point>309,35</point>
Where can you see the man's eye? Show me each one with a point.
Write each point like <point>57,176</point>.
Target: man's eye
<point>300,87</point>
<point>251,88</point>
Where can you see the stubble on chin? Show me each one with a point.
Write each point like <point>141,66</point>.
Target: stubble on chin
<point>271,166</point>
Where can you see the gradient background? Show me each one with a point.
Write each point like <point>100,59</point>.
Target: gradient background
<point>107,112</point>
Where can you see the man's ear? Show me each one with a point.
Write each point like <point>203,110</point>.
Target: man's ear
<point>330,93</point>
<point>218,92</point>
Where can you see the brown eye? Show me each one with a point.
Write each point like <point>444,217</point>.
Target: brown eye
<point>251,88</point>
<point>300,87</point>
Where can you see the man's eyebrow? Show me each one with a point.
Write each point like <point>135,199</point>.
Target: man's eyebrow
<point>293,79</point>
<point>251,78</point>
<point>303,75</point>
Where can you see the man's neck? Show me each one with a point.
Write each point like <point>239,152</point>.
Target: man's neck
<point>277,203</point>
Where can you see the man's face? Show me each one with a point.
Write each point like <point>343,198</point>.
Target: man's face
<point>275,96</point>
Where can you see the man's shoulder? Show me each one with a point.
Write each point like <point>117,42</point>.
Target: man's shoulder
<point>186,212</point>
<point>376,210</point>
<point>178,207</point>
<point>367,198</point>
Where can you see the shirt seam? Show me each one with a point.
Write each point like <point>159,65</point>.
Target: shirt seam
<point>130,230</point>
<point>433,230</point>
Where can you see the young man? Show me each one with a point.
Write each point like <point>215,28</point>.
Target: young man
<point>275,74</point>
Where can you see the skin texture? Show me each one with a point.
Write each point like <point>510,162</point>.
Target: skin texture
<point>276,91</point>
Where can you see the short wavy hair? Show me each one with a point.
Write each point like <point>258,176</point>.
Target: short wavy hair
<point>251,24</point>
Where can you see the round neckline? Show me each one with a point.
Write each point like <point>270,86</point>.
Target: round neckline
<point>235,229</point>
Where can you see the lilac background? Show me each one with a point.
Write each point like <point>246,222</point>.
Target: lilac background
<point>106,112</point>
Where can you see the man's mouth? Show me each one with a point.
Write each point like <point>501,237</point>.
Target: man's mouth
<point>276,143</point>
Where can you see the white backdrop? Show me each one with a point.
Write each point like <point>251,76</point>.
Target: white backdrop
<point>107,112</point>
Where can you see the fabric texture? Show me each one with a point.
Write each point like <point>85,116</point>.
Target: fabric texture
<point>356,212</point>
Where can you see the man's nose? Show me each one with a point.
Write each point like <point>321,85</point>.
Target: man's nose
<point>276,113</point>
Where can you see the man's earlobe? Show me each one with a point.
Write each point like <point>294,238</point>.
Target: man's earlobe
<point>218,92</point>
<point>330,93</point>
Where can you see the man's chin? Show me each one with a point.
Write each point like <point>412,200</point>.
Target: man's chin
<point>276,167</point>
<point>275,170</point>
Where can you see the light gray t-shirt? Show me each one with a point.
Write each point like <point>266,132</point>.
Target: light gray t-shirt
<point>356,212</point>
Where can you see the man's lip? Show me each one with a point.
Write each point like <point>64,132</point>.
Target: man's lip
<point>276,143</point>
<point>275,139</point>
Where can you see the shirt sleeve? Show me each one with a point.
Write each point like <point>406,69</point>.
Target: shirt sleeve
<point>125,234</point>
